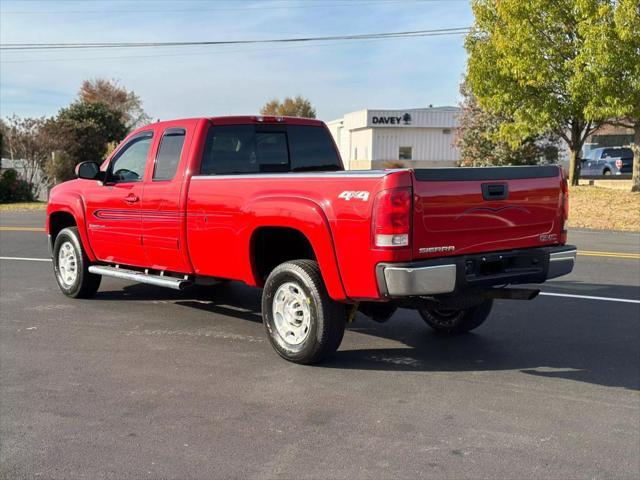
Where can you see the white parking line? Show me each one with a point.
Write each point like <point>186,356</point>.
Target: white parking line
<point>589,297</point>
<point>548,294</point>
<point>27,259</point>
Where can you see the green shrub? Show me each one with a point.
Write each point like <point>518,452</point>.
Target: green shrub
<point>14,189</point>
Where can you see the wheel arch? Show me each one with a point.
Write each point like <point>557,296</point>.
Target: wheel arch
<point>306,231</point>
<point>65,211</point>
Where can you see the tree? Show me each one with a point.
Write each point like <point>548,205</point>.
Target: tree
<point>82,132</point>
<point>289,107</point>
<point>478,139</point>
<point>612,56</point>
<point>27,143</point>
<point>524,59</point>
<point>117,98</point>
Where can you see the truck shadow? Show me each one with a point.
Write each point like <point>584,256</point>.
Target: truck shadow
<point>556,337</point>
<point>583,340</point>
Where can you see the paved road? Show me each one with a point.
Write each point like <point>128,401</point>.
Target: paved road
<point>142,382</point>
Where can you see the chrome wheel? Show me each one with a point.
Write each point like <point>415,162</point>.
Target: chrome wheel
<point>291,313</point>
<point>67,264</point>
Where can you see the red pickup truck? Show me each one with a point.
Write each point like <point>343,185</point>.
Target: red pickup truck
<point>265,200</point>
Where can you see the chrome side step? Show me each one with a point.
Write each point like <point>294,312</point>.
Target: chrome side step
<point>142,277</point>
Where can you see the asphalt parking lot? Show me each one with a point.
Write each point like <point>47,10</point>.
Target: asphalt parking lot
<point>143,382</point>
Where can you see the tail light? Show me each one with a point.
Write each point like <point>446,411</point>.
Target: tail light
<point>619,164</point>
<point>565,204</point>
<point>392,218</point>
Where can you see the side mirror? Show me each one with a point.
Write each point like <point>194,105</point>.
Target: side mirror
<point>88,171</point>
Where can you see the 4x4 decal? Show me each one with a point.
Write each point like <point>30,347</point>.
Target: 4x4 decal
<point>355,195</point>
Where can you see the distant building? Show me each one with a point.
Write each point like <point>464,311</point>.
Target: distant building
<point>417,137</point>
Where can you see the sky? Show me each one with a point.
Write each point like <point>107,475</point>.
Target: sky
<point>176,82</point>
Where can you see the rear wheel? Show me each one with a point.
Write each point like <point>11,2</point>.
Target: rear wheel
<point>453,321</point>
<point>303,324</point>
<point>607,172</point>
<point>71,266</point>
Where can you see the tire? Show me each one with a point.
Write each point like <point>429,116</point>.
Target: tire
<point>71,266</point>
<point>456,321</point>
<point>303,324</point>
<point>607,172</point>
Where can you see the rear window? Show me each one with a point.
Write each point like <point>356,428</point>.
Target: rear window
<point>242,149</point>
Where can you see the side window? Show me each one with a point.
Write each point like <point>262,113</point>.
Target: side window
<point>611,153</point>
<point>237,149</point>
<point>312,149</point>
<point>627,154</point>
<point>128,166</point>
<point>169,153</point>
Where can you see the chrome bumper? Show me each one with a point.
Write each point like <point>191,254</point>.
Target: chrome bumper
<point>448,275</point>
<point>407,281</point>
<point>561,263</point>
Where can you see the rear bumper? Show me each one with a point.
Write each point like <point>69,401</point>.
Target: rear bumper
<point>457,274</point>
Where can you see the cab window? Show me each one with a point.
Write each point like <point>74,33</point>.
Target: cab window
<point>129,163</point>
<point>237,149</point>
<point>312,149</point>
<point>169,154</point>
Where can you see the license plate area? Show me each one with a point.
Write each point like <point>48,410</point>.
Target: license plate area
<point>511,267</point>
<point>492,266</point>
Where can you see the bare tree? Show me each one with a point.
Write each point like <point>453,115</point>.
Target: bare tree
<point>27,144</point>
<point>116,97</point>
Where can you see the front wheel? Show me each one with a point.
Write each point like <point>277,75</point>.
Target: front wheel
<point>71,266</point>
<point>303,324</point>
<point>456,321</point>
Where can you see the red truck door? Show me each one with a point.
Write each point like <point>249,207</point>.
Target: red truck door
<point>113,208</point>
<point>163,216</point>
<point>217,218</point>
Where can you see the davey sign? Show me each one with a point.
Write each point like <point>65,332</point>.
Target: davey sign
<point>392,120</point>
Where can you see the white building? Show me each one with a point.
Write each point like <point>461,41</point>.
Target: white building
<point>418,137</point>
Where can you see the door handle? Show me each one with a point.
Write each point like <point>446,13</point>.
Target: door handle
<point>495,191</point>
<point>131,198</point>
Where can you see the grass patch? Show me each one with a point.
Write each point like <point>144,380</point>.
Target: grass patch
<point>604,209</point>
<point>20,206</point>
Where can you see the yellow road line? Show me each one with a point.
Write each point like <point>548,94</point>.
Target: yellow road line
<point>21,229</point>
<point>587,253</point>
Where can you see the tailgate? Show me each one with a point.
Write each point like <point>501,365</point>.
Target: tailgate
<point>473,210</point>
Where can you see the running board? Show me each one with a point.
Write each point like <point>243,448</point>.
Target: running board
<point>142,277</point>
